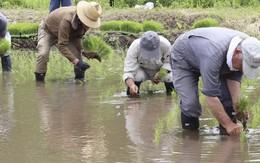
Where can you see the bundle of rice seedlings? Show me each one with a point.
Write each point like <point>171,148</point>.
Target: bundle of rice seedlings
<point>111,26</point>
<point>162,73</point>
<point>152,26</point>
<point>243,110</point>
<point>23,28</point>
<point>132,27</point>
<point>5,46</point>
<point>207,22</point>
<point>96,44</point>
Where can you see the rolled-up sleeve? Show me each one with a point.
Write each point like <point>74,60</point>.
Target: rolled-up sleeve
<point>131,61</point>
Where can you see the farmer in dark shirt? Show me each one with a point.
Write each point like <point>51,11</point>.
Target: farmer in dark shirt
<point>220,56</point>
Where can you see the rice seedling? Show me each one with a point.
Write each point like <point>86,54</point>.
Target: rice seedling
<point>243,111</point>
<point>5,46</point>
<point>207,22</point>
<point>96,44</point>
<point>130,26</point>
<point>23,29</point>
<point>166,123</point>
<point>152,26</point>
<point>162,73</point>
<point>159,127</point>
<point>111,26</point>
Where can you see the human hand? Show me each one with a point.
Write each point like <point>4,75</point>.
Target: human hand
<point>233,129</point>
<point>83,65</point>
<point>133,90</point>
<point>91,55</point>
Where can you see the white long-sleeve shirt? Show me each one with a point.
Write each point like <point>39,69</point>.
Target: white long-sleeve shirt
<point>134,59</point>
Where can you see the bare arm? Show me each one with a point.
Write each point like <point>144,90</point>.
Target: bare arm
<point>222,117</point>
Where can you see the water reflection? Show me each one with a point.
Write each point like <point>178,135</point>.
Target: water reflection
<point>6,103</point>
<point>67,123</point>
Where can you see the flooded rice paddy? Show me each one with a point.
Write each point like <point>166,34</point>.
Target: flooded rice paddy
<point>66,122</point>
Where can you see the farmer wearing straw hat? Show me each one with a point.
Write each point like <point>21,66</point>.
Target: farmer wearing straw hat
<point>65,28</point>
<point>220,56</point>
<point>5,35</point>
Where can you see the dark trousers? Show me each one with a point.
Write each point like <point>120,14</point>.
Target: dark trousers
<point>6,63</point>
<point>54,4</point>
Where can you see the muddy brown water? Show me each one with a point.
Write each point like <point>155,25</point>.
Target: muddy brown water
<point>65,122</point>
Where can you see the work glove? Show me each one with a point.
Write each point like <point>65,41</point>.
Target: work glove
<point>83,65</point>
<point>91,55</point>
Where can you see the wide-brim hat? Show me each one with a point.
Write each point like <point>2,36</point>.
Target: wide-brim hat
<point>251,57</point>
<point>89,13</point>
<point>150,44</point>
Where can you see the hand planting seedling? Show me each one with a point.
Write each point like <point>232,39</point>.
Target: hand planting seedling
<point>4,47</point>
<point>161,74</point>
<point>242,114</point>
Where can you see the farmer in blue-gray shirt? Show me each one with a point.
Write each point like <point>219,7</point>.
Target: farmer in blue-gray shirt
<point>5,35</point>
<point>220,56</point>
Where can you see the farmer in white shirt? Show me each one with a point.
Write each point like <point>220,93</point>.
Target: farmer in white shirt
<point>145,57</point>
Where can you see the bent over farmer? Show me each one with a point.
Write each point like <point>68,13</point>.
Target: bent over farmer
<point>65,28</point>
<point>220,56</point>
<point>145,58</point>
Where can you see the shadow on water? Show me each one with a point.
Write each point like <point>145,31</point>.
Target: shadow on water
<point>64,121</point>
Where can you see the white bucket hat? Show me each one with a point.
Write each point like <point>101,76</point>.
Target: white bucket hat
<point>89,13</point>
<point>251,57</point>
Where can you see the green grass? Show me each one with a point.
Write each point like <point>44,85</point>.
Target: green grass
<point>59,68</point>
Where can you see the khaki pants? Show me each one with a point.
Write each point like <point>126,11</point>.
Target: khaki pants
<point>45,42</point>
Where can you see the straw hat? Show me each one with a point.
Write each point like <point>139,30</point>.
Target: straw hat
<point>89,13</point>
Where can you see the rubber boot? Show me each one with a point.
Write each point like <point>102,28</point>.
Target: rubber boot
<point>6,63</point>
<point>189,123</point>
<point>39,77</point>
<point>230,112</point>
<point>169,87</point>
<point>137,84</point>
<point>79,74</point>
